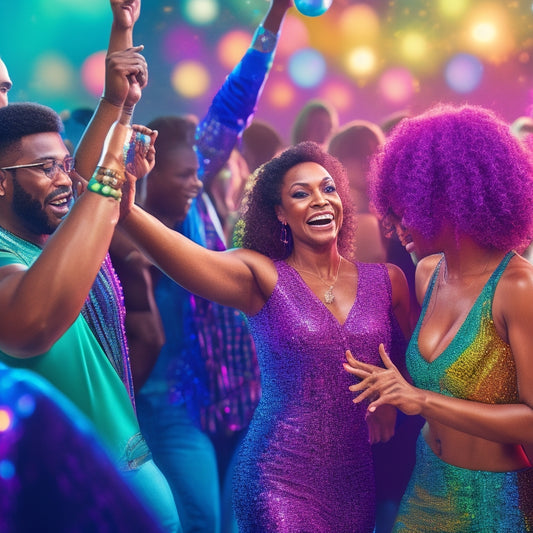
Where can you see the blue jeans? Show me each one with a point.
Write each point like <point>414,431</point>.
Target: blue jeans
<point>152,488</point>
<point>187,458</point>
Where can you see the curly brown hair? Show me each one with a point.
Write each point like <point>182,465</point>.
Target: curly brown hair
<point>259,228</point>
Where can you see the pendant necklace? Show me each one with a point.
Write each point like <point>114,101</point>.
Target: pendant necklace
<point>329,297</point>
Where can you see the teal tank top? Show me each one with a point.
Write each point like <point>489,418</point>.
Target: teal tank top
<point>477,365</point>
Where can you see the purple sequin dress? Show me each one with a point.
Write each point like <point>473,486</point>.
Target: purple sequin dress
<point>306,463</point>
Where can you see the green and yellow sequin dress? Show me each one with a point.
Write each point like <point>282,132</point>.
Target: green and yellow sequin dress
<point>478,366</point>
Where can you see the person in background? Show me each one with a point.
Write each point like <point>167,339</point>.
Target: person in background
<point>388,124</point>
<point>260,143</point>
<point>522,128</point>
<point>226,190</point>
<point>354,145</point>
<point>305,463</point>
<point>316,121</point>
<point>459,186</point>
<point>5,84</point>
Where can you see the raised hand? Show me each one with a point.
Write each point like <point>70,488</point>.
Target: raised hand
<point>141,151</point>
<point>383,386</point>
<point>126,75</point>
<point>141,164</point>
<point>125,13</point>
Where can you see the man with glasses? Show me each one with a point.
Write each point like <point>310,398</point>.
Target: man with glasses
<point>48,264</point>
<point>52,266</point>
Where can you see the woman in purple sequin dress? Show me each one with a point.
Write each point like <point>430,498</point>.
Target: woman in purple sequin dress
<point>306,463</point>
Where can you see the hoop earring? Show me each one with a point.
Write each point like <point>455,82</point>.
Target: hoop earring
<point>284,236</point>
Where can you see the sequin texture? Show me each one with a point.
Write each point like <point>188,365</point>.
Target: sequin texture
<point>306,464</point>
<point>479,366</point>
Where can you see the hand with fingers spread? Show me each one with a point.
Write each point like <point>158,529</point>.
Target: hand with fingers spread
<point>383,386</point>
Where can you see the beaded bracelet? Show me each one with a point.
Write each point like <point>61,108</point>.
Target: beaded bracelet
<point>108,176</point>
<point>107,182</point>
<point>104,190</point>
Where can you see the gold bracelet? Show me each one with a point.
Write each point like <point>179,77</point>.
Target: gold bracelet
<point>109,176</point>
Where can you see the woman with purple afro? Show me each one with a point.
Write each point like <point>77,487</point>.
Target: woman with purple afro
<point>458,188</point>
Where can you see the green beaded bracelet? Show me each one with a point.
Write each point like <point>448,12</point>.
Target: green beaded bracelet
<point>105,190</point>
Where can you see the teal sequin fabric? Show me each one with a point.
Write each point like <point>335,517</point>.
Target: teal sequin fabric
<point>442,498</point>
<point>478,366</point>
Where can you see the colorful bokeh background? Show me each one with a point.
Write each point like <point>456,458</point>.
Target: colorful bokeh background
<point>369,59</point>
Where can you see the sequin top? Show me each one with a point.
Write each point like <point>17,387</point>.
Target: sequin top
<point>477,365</point>
<point>306,463</point>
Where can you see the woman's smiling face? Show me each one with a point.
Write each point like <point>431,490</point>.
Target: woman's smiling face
<point>310,204</point>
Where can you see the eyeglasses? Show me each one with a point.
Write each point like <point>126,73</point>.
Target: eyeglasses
<point>49,167</point>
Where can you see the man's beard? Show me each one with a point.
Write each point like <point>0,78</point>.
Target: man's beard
<point>31,211</point>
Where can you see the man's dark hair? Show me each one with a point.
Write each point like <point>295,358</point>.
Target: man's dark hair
<point>22,119</point>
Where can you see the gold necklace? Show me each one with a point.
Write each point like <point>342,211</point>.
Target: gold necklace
<point>329,297</point>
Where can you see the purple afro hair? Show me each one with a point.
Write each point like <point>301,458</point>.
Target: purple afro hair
<point>459,165</point>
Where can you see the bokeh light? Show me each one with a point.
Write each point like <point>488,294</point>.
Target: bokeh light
<point>54,74</point>
<point>339,94</point>
<point>396,86</point>
<point>453,8</point>
<point>280,94</point>
<point>181,42</point>
<point>7,469</point>
<point>359,24</point>
<point>93,73</point>
<point>463,73</point>
<point>490,34</point>
<point>307,68</point>
<point>414,47</point>
<point>484,32</point>
<point>200,12</point>
<point>25,405</point>
<point>232,47</point>
<point>190,79</point>
<point>358,40</point>
<point>361,61</point>
<point>6,418</point>
<point>295,36</point>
